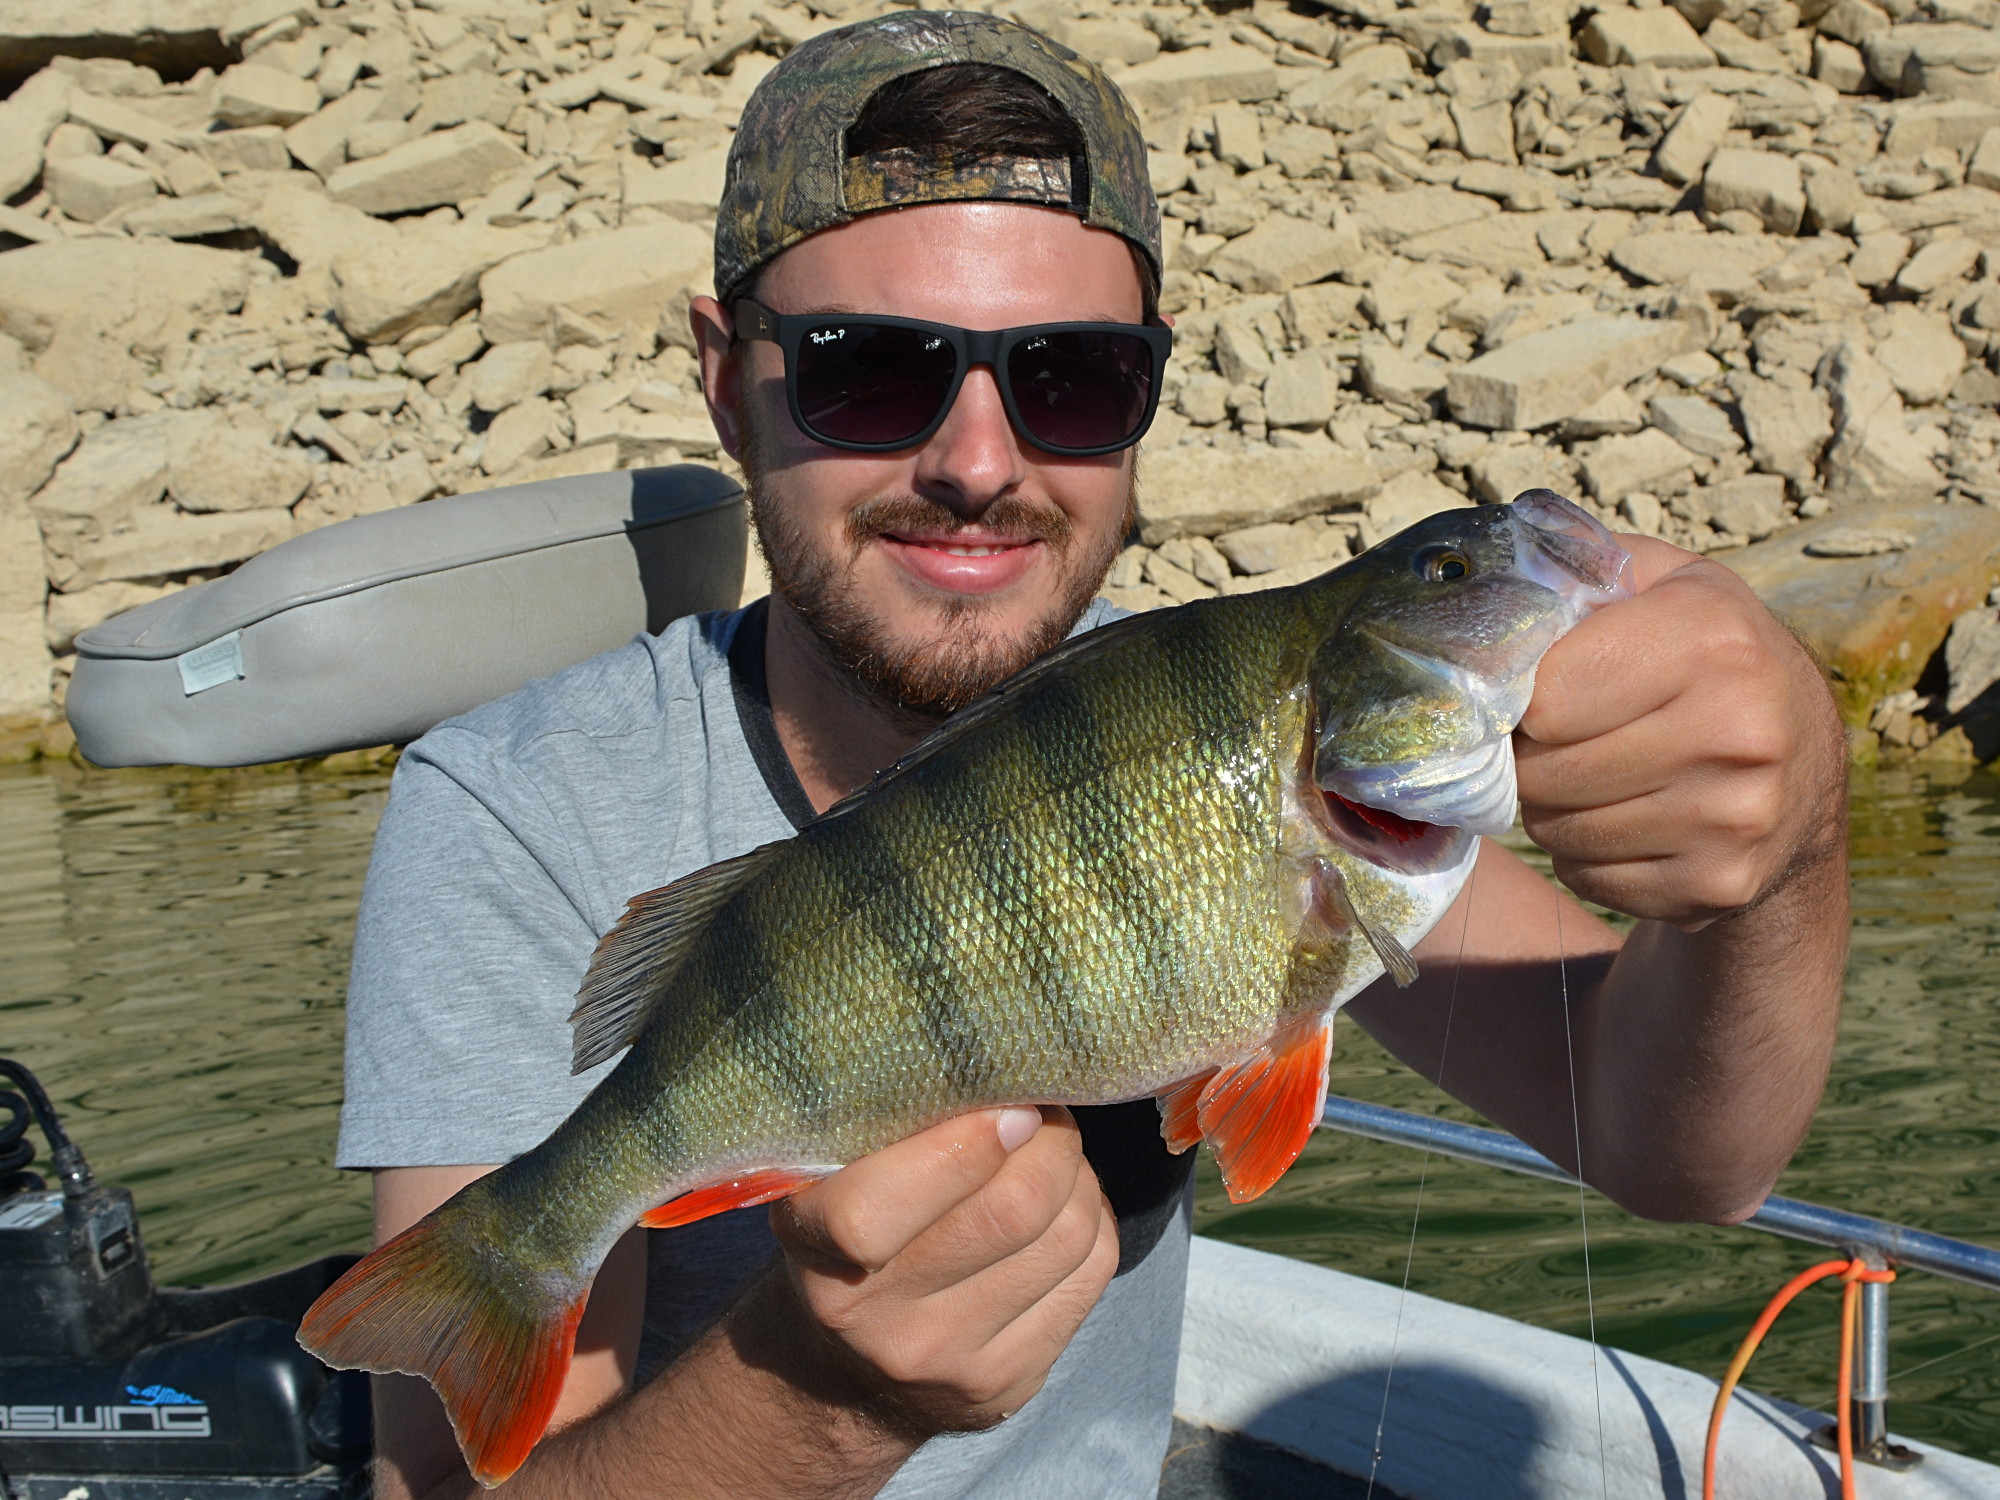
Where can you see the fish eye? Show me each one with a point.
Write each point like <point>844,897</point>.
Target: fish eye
<point>1443,564</point>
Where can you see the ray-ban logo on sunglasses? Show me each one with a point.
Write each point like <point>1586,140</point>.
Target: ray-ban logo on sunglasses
<point>827,335</point>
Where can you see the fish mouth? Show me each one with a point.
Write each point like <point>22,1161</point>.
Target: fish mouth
<point>1401,845</point>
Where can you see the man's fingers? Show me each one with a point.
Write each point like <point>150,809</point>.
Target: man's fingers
<point>866,1213</point>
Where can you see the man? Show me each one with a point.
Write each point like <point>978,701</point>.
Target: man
<point>992,1307</point>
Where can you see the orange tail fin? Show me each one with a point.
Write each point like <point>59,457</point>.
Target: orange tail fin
<point>495,1352</point>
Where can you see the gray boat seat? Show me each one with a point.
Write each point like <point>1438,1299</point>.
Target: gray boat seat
<point>370,631</point>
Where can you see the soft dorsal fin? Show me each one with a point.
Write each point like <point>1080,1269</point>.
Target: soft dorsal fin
<point>1257,1115</point>
<point>633,964</point>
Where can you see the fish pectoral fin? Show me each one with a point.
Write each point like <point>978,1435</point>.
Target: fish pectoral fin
<point>743,1191</point>
<point>1332,891</point>
<point>1258,1114</point>
<point>1180,1103</point>
<point>632,966</point>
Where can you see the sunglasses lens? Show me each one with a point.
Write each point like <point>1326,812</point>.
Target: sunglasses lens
<point>863,383</point>
<point>1081,389</point>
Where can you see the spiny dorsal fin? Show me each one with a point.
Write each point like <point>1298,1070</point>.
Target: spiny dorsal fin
<point>632,966</point>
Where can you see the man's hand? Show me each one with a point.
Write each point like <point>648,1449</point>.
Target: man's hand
<point>932,1284</point>
<point>1682,756</point>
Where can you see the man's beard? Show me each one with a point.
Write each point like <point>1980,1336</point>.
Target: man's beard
<point>962,659</point>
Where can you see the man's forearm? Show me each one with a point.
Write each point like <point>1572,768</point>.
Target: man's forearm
<point>732,1417</point>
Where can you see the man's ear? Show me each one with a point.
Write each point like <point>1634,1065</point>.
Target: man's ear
<point>721,370</point>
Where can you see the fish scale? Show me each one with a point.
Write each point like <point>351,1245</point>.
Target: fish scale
<point>1135,869</point>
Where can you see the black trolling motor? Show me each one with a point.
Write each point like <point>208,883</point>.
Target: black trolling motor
<point>115,1389</point>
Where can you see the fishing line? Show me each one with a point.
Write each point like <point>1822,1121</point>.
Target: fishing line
<point>1582,1200</point>
<point>1990,1338</point>
<point>1423,1175</point>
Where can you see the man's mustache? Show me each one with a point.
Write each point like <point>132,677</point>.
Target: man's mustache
<point>1009,516</point>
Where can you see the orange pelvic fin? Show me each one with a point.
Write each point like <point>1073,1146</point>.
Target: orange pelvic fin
<point>1180,1103</point>
<point>738,1192</point>
<point>496,1354</point>
<point>1258,1114</point>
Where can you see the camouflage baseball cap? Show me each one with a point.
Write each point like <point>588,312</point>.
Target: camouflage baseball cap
<point>790,176</point>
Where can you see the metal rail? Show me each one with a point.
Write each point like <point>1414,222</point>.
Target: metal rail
<point>1858,1236</point>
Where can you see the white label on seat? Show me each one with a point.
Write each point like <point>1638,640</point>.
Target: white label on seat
<point>212,665</point>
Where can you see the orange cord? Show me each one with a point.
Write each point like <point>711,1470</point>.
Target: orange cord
<point>1852,1273</point>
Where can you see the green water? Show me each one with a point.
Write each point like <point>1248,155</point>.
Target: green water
<point>173,947</point>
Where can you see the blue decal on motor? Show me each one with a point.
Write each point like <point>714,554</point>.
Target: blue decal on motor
<point>161,1395</point>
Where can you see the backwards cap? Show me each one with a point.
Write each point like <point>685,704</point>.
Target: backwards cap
<point>790,176</point>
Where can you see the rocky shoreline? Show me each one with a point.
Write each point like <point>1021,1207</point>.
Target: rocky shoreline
<point>1726,271</point>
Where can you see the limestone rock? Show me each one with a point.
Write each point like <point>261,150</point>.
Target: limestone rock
<point>1108,41</point>
<point>1196,491</point>
<point>1951,61</point>
<point>1394,217</point>
<point>1391,374</point>
<point>1726,263</point>
<point>1922,355</point>
<point>381,292</point>
<point>1504,470</point>
<point>162,541</point>
<point>1971,657</point>
<point>1939,262</point>
<point>1611,415</point>
<point>1918,125</point>
<point>320,140</point>
<point>518,434</point>
<point>1696,424</point>
<point>1545,377</point>
<point>1750,508</point>
<point>1264,549</point>
<point>687,189</point>
<point>116,471</point>
<point>1314,314</point>
<point>510,373</point>
<point>1838,65</point>
<point>1649,461</point>
<point>83,307</point>
<point>24,657</point>
<point>1405,500</point>
<point>446,352</point>
<point>1878,257</point>
<point>1984,169</point>
<point>626,278</point>
<point>69,615</point>
<point>222,467</point>
<point>37,429</point>
<point>1660,37</point>
<point>449,166</point>
<point>1402,288</point>
<point>1284,252</point>
<point>27,119</point>
<point>251,94</point>
<point>1788,427</point>
<point>1765,183</point>
<point>1200,75</point>
<point>1872,456</point>
<point>1299,392</point>
<point>89,188</point>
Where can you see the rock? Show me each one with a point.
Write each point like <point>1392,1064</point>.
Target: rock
<point>114,473</point>
<point>27,119</point>
<point>1200,75</point>
<point>1877,619</point>
<point>1833,196</point>
<point>24,657</point>
<point>1394,217</point>
<point>1736,48</point>
<point>118,121</point>
<point>1402,288</point>
<point>1526,17</point>
<point>1262,549</point>
<point>1519,189</point>
<point>1299,392</point>
<point>510,373</point>
<point>1389,374</point>
<point>221,467</point>
<point>1696,424</point>
<point>1701,262</point>
<point>1198,491</point>
<point>251,94</point>
<point>1950,61</point>
<point>1922,355</point>
<point>518,434</point>
<point>1765,183</point>
<point>686,189</point>
<point>1107,41</point>
<point>381,292</point>
<point>1649,461</point>
<point>1284,252</point>
<point>1504,470</point>
<point>89,188</point>
<point>1919,125</point>
<point>1175,581</point>
<point>1404,501</point>
<point>1314,314</point>
<point>1521,57</point>
<point>37,429</point>
<point>1838,65</point>
<point>162,542</point>
<point>1938,263</point>
<point>88,309</point>
<point>626,278</point>
<point>1971,657</point>
<point>1611,414</point>
<point>320,140</point>
<point>446,352</point>
<point>1750,508</point>
<point>261,148</point>
<point>1872,456</point>
<point>1660,37</point>
<point>1984,170</point>
<point>1852,21</point>
<point>336,395</point>
<point>1788,427</point>
<point>1545,377</point>
<point>1204,398</point>
<point>1694,136</point>
<point>1860,541</point>
<point>1878,257</point>
<point>190,218</point>
<point>1239,350</point>
<point>449,166</point>
<point>69,615</point>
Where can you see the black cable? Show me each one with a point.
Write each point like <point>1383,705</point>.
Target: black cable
<point>64,1156</point>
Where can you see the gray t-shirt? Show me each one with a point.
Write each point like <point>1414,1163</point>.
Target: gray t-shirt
<point>513,837</point>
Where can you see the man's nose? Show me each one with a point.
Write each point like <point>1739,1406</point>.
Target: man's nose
<point>975,457</point>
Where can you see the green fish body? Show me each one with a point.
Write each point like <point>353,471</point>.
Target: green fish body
<point>1155,863</point>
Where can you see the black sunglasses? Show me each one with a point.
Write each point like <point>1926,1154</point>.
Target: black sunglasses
<point>875,384</point>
